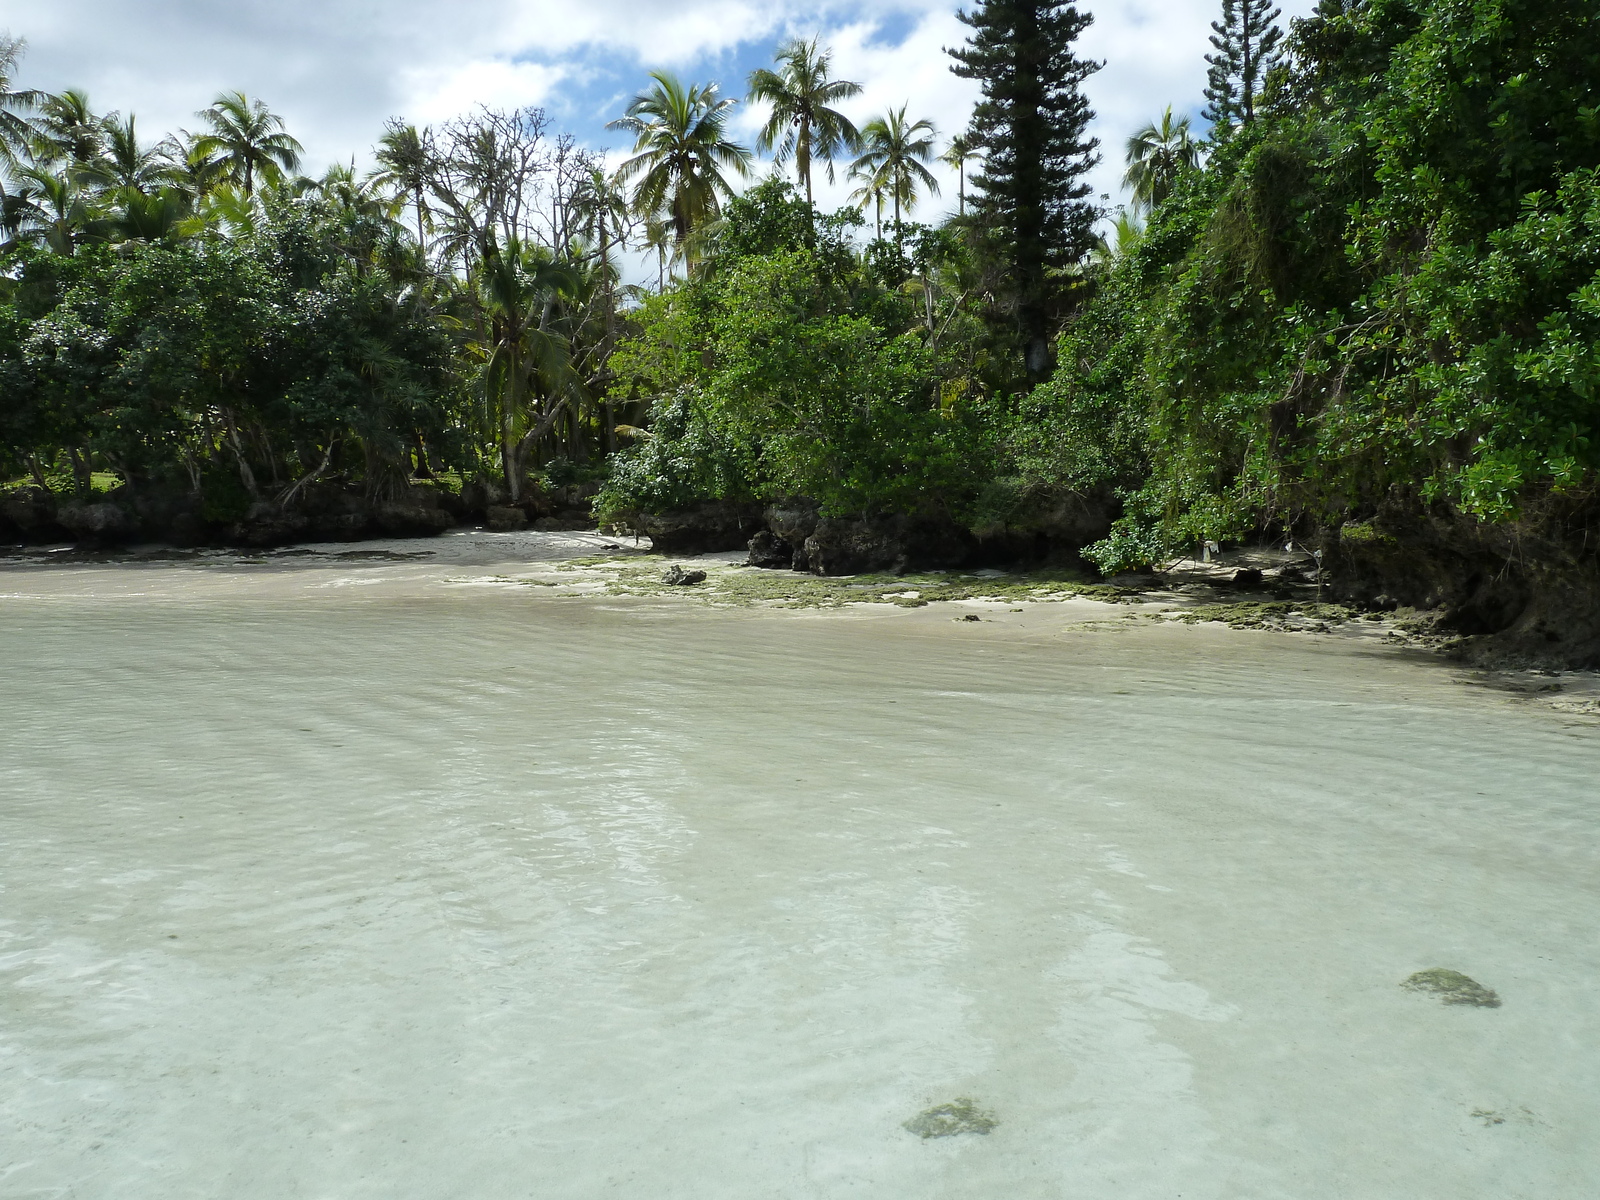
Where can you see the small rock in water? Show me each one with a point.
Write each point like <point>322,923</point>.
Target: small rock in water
<point>970,617</point>
<point>678,577</point>
<point>961,1115</point>
<point>1452,987</point>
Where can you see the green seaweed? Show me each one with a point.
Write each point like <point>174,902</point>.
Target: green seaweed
<point>1274,614</point>
<point>1452,987</point>
<point>961,1115</point>
<point>740,585</point>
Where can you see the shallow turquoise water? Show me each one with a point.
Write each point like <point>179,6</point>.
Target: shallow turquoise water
<point>461,892</point>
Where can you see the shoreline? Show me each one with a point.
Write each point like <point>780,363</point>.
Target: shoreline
<point>569,565</point>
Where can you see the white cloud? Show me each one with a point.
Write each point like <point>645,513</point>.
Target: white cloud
<point>337,68</point>
<point>435,94</point>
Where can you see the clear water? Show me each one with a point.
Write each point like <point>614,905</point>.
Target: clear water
<point>426,891</point>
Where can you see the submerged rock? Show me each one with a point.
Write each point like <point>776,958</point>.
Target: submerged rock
<point>961,1115</point>
<point>1452,987</point>
<point>678,577</point>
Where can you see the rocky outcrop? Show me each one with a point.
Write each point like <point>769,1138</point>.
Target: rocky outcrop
<point>268,524</point>
<point>676,576</point>
<point>29,514</point>
<point>796,535</point>
<point>567,522</point>
<point>412,518</point>
<point>791,522</point>
<point>1521,594</point>
<point>502,518</point>
<point>896,544</point>
<point>322,512</point>
<point>1041,525</point>
<point>706,527</point>
<point>769,550</point>
<point>102,522</point>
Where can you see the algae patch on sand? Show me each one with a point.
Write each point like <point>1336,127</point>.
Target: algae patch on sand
<point>1452,987</point>
<point>961,1115</point>
<point>742,586</point>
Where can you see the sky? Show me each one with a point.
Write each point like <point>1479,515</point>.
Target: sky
<point>336,69</point>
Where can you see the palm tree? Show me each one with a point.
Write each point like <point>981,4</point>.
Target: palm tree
<point>124,163</point>
<point>15,129</point>
<point>963,149</point>
<point>520,291</point>
<point>157,216</point>
<point>658,237</point>
<point>874,187</point>
<point>680,152</point>
<point>1157,155</point>
<point>223,211</point>
<point>600,213</point>
<point>895,150</point>
<point>66,129</point>
<point>246,140</point>
<point>198,174</point>
<point>58,212</point>
<point>16,209</point>
<point>802,122</point>
<point>340,191</point>
<point>402,154</point>
<point>1126,230</point>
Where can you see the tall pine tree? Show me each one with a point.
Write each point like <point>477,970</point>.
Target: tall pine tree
<point>1033,125</point>
<point>1246,41</point>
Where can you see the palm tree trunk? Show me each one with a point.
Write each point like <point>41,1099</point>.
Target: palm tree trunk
<point>802,157</point>
<point>509,458</point>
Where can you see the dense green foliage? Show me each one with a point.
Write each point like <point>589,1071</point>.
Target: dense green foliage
<point>799,367</point>
<point>1374,288</point>
<point>1382,291</point>
<point>242,365</point>
<point>191,317</point>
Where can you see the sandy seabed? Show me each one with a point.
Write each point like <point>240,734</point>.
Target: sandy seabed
<point>371,871</point>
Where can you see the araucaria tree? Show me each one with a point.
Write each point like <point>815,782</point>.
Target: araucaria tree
<point>1246,42</point>
<point>1033,122</point>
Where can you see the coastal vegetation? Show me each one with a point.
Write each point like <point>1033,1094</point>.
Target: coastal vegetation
<point>1351,305</point>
